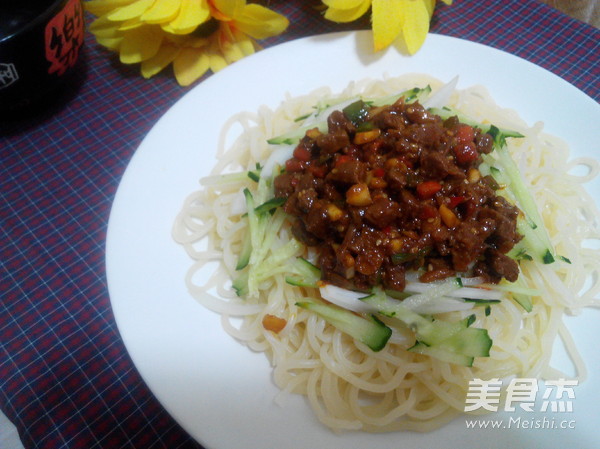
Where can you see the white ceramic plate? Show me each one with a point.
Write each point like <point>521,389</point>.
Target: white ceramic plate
<point>218,390</point>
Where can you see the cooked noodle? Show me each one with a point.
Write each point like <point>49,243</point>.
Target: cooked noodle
<point>347,385</point>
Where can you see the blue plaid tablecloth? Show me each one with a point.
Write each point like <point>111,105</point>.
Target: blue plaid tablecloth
<point>66,379</point>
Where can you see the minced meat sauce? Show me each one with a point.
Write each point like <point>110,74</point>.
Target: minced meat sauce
<point>396,188</point>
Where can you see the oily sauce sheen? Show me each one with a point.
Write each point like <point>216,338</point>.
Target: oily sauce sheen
<point>396,188</point>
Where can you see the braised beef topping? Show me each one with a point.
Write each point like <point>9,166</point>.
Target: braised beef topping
<point>395,188</point>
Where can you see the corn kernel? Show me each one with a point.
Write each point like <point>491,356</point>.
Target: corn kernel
<point>473,175</point>
<point>333,212</point>
<point>313,133</point>
<point>363,137</point>
<point>273,323</point>
<point>359,195</point>
<point>377,183</point>
<point>396,246</point>
<point>392,162</point>
<point>448,217</point>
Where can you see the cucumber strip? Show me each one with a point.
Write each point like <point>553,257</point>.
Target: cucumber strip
<point>254,175</point>
<point>443,304</point>
<point>275,263</point>
<point>255,221</point>
<point>442,354</point>
<point>269,226</point>
<point>244,254</point>
<point>410,96</point>
<point>456,338</point>
<point>426,330</point>
<point>515,287</point>
<point>527,205</point>
<point>294,136</point>
<point>240,284</point>
<point>270,205</point>
<point>524,301</point>
<point>531,226</point>
<point>326,107</point>
<point>370,331</point>
<point>473,341</point>
<point>446,112</point>
<point>533,242</point>
<point>482,301</point>
<point>460,348</point>
<point>453,288</point>
<point>305,274</point>
<point>247,245</point>
<point>263,228</point>
<point>520,293</point>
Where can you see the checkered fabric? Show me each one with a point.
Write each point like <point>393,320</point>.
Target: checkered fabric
<point>66,379</point>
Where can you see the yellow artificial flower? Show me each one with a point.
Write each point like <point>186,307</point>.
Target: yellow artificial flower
<point>193,35</point>
<point>404,23</point>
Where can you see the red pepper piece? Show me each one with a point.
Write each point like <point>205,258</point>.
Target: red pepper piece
<point>427,212</point>
<point>294,165</point>
<point>301,153</point>
<point>379,172</point>
<point>427,189</point>
<point>455,201</point>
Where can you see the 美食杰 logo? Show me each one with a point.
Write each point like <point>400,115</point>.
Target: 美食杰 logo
<point>557,396</point>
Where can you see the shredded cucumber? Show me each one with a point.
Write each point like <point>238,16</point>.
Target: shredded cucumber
<point>303,273</point>
<point>318,119</point>
<point>370,330</point>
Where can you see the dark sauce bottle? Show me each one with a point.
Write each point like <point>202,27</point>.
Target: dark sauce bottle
<point>40,44</point>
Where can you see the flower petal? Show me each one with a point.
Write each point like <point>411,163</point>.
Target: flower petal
<point>130,24</point>
<point>191,14</point>
<point>102,27</point>
<point>228,8</point>
<point>101,7</point>
<point>430,5</point>
<point>232,52</point>
<point>246,44</point>
<point>344,4</point>
<point>217,61</point>
<point>140,44</point>
<point>165,55</point>
<point>347,15</point>
<point>190,64</point>
<point>447,2</point>
<point>415,24</point>
<point>387,22</point>
<point>260,22</point>
<point>112,43</point>
<point>131,11</point>
<point>161,11</point>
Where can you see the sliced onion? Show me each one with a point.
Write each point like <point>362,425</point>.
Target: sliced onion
<point>319,116</point>
<point>278,157</point>
<point>463,292</point>
<point>350,300</point>
<point>441,97</point>
<point>346,299</point>
<point>238,205</point>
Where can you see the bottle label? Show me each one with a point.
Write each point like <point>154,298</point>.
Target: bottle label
<point>8,74</point>
<point>64,37</point>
